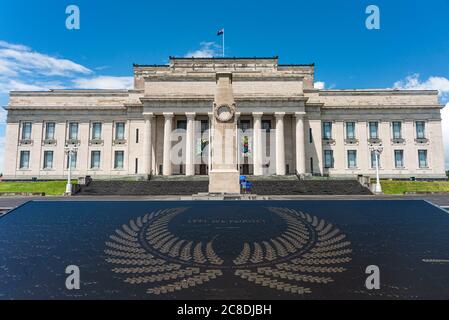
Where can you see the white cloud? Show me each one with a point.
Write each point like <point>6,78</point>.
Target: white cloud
<point>2,117</point>
<point>319,85</point>
<point>206,50</point>
<point>413,82</point>
<point>104,82</point>
<point>16,59</point>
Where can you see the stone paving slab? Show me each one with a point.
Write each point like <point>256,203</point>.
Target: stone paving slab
<point>278,249</point>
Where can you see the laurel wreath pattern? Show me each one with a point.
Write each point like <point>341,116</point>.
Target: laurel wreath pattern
<point>308,251</point>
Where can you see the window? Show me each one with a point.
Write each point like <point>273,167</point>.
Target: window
<point>96,131</point>
<point>181,124</point>
<point>352,159</point>
<point>95,160</point>
<point>244,125</point>
<point>266,125</point>
<point>374,130</point>
<point>118,159</point>
<point>26,130</point>
<point>48,159</point>
<point>136,171</point>
<point>137,135</point>
<point>24,160</point>
<point>328,159</point>
<point>204,125</point>
<point>120,131</point>
<point>73,158</point>
<point>399,158</point>
<point>73,131</point>
<point>310,135</point>
<point>420,130</point>
<point>373,159</point>
<point>327,130</point>
<point>350,130</point>
<point>422,157</point>
<point>397,130</point>
<point>50,131</point>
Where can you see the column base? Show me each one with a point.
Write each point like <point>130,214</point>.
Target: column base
<point>224,182</point>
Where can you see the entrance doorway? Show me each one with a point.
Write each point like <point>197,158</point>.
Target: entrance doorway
<point>203,170</point>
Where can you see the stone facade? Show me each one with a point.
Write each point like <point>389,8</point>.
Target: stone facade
<point>124,133</point>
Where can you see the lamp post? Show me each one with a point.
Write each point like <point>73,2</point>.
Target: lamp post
<point>70,151</point>
<point>377,152</point>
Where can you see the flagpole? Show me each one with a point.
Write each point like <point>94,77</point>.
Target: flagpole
<point>223,43</point>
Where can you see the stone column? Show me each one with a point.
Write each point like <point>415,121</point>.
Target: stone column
<point>209,156</point>
<point>257,143</point>
<point>300,144</point>
<point>147,145</point>
<point>166,166</point>
<point>190,166</point>
<point>280,144</point>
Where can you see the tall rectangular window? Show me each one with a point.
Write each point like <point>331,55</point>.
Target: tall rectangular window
<point>266,125</point>
<point>73,131</point>
<point>96,131</point>
<point>373,159</point>
<point>26,130</point>
<point>137,135</point>
<point>328,159</point>
<point>24,160</point>
<point>350,130</point>
<point>119,130</point>
<point>181,124</point>
<point>204,125</point>
<point>420,130</point>
<point>48,159</point>
<point>399,158</point>
<point>397,130</point>
<point>422,157</point>
<point>73,159</point>
<point>310,135</point>
<point>327,130</point>
<point>95,160</point>
<point>244,125</point>
<point>118,159</point>
<point>374,130</point>
<point>352,159</point>
<point>49,131</point>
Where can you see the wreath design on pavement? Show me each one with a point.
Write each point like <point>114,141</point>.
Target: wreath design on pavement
<point>309,251</point>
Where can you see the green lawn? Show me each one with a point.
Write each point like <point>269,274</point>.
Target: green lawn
<point>401,187</point>
<point>50,188</point>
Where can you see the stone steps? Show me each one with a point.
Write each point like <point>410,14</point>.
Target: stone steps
<point>193,187</point>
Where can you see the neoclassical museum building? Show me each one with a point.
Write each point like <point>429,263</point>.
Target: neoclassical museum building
<point>163,125</point>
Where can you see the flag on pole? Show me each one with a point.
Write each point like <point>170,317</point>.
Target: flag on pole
<point>221,33</point>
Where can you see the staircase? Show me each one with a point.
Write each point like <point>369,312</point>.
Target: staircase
<point>293,186</point>
<point>183,186</point>
<point>169,187</point>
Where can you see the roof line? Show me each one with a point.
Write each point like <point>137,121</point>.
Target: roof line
<point>221,58</point>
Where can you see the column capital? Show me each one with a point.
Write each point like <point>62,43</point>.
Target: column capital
<point>191,115</point>
<point>279,115</point>
<point>148,115</point>
<point>300,114</point>
<point>168,115</point>
<point>257,115</point>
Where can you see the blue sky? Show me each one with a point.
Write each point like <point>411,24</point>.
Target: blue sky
<point>37,51</point>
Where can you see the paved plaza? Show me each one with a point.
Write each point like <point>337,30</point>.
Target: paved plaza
<point>278,249</point>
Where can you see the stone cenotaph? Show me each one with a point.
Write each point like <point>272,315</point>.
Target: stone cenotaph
<point>224,175</point>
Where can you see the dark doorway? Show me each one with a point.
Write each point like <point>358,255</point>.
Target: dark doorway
<point>203,170</point>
